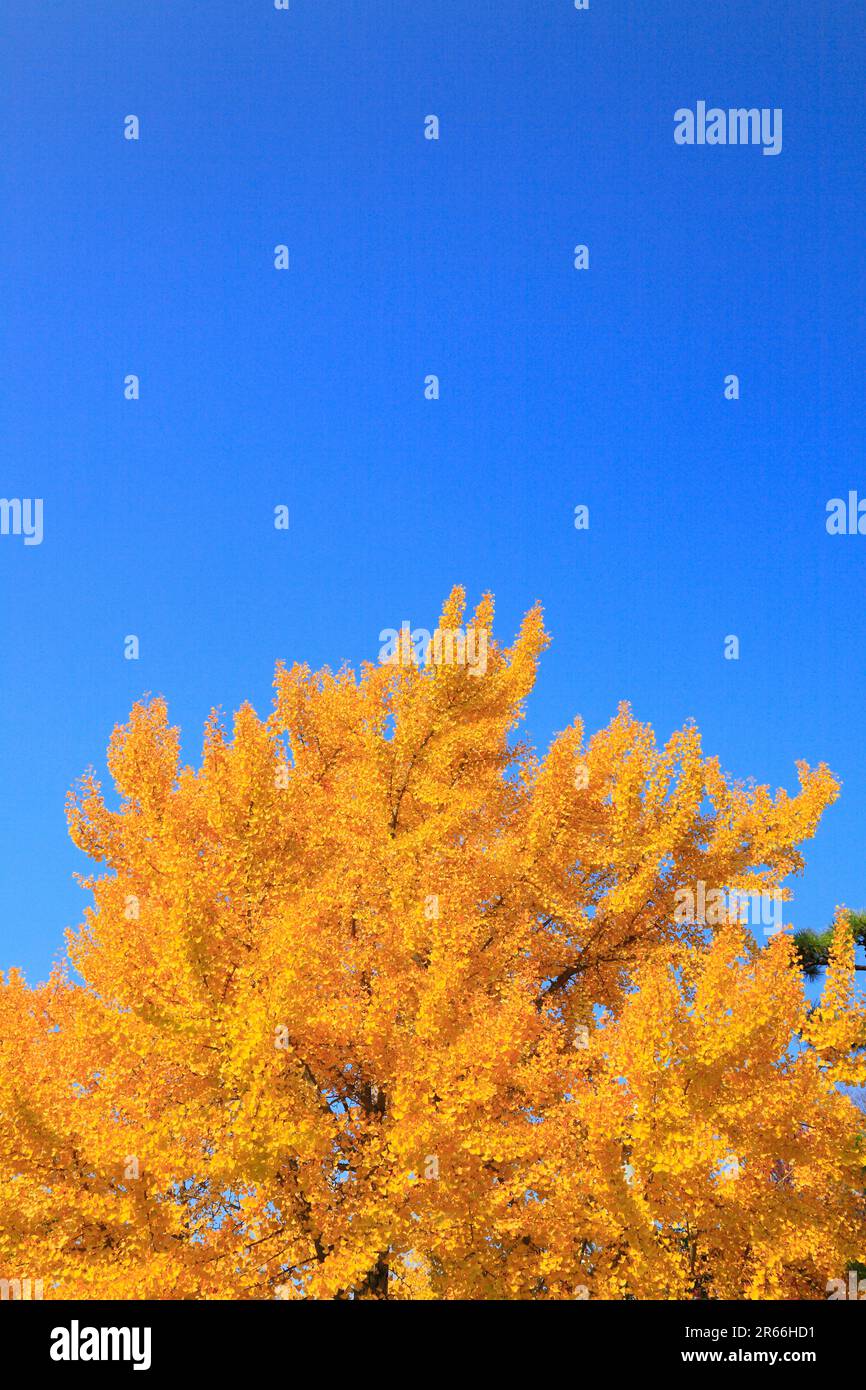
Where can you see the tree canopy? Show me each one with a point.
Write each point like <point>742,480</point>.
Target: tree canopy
<point>376,1002</point>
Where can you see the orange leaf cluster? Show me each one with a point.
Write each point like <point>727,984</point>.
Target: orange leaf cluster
<point>376,1003</point>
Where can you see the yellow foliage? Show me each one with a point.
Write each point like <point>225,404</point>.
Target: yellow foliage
<point>378,1003</point>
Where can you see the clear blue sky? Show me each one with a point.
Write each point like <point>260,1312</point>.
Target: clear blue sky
<point>409,257</point>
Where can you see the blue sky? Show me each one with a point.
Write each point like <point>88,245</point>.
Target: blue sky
<point>411,257</point>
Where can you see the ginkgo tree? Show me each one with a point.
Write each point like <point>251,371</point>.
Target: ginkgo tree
<point>376,1003</point>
